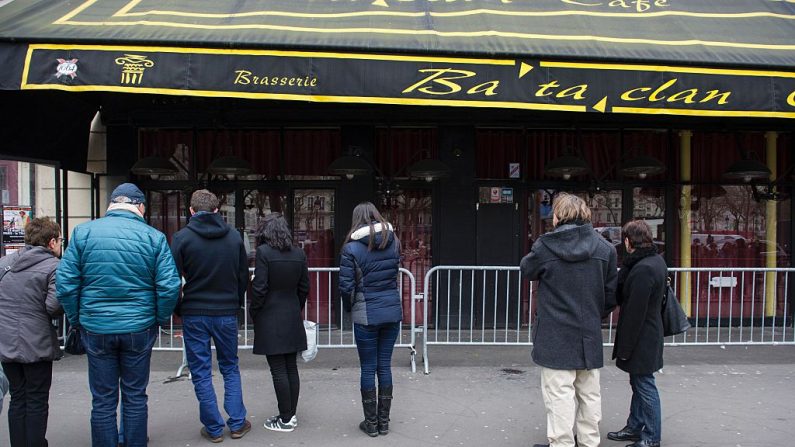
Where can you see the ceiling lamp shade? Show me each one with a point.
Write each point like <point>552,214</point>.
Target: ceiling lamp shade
<point>746,170</point>
<point>429,169</point>
<point>153,166</point>
<point>566,166</point>
<point>642,167</point>
<point>229,165</point>
<point>350,166</point>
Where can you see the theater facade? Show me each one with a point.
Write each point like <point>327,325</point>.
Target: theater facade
<point>460,119</point>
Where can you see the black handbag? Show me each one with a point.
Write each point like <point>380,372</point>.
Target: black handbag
<point>674,318</point>
<point>73,344</point>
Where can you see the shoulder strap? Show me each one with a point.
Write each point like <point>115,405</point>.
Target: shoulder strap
<point>4,271</point>
<point>7,268</point>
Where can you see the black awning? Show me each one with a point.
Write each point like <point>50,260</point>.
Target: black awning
<point>758,33</point>
<point>694,57</point>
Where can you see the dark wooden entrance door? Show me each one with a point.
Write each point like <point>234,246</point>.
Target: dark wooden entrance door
<point>498,234</point>
<point>498,244</point>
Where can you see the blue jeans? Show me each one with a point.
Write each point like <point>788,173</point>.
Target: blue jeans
<point>113,360</point>
<point>197,331</point>
<point>375,344</point>
<point>645,413</point>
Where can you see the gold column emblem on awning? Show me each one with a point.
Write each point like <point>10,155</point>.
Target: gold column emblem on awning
<point>133,66</point>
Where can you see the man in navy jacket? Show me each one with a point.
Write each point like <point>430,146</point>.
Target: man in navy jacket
<point>211,257</point>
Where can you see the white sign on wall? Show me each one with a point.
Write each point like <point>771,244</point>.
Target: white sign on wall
<point>513,170</point>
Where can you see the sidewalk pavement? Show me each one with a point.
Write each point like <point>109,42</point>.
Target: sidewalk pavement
<point>731,396</point>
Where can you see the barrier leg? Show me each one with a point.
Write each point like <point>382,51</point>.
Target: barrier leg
<point>425,363</point>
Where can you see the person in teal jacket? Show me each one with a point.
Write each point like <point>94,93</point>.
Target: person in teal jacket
<point>117,281</point>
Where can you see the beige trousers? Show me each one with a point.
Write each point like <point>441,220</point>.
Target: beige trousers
<point>574,406</point>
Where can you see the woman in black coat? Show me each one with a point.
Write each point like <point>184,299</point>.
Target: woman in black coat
<point>638,347</point>
<point>280,286</point>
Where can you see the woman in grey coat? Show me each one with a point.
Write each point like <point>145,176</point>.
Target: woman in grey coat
<point>28,342</point>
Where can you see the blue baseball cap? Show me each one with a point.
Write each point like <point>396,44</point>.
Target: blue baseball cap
<point>127,193</point>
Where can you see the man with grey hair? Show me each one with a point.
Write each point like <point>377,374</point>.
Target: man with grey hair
<point>211,257</point>
<point>117,281</point>
<point>576,272</point>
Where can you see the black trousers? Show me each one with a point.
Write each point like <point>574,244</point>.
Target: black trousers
<point>29,406</point>
<point>285,382</point>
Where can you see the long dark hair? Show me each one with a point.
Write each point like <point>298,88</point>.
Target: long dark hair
<point>366,214</point>
<point>273,230</point>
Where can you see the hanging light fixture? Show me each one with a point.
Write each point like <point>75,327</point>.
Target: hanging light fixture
<point>350,166</point>
<point>153,166</point>
<point>566,166</point>
<point>229,165</point>
<point>642,167</point>
<point>747,170</point>
<point>429,169</point>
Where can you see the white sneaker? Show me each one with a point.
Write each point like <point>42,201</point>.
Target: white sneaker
<point>294,421</point>
<point>275,423</point>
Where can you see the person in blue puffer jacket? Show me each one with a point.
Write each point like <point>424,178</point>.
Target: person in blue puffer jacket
<point>369,267</point>
<point>117,281</point>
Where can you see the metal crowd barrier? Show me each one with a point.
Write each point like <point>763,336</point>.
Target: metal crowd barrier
<point>493,305</point>
<point>335,326</point>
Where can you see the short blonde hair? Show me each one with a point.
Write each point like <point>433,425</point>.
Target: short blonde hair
<point>568,207</point>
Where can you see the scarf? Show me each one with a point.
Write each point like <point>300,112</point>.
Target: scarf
<point>125,207</point>
<point>365,231</point>
<point>632,258</point>
<point>578,222</point>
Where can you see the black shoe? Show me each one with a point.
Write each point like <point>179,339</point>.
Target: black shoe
<point>384,405</point>
<point>625,434</point>
<point>370,406</point>
<point>642,443</point>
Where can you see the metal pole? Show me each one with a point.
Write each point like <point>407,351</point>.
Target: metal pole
<point>771,225</point>
<point>684,220</point>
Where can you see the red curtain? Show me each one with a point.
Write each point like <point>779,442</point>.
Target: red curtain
<point>396,149</point>
<point>650,143</point>
<point>173,144</point>
<point>713,152</point>
<point>259,147</point>
<point>543,146</point>
<point>495,149</point>
<point>785,156</point>
<point>311,151</point>
<point>163,143</point>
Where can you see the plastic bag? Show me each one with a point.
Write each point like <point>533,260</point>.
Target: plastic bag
<point>311,341</point>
